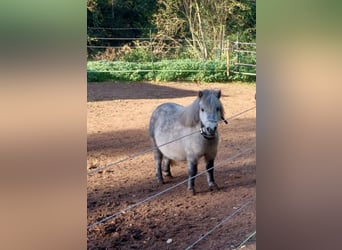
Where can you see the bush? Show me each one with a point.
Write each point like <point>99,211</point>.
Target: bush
<point>165,70</point>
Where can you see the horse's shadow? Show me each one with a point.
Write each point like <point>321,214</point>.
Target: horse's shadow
<point>227,179</point>
<point>242,176</point>
<point>107,91</point>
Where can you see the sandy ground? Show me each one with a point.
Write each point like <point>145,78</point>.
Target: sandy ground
<point>118,117</point>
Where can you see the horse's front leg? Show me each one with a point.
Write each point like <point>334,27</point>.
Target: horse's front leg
<point>210,175</point>
<point>192,169</point>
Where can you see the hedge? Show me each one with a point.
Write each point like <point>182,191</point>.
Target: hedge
<point>166,70</point>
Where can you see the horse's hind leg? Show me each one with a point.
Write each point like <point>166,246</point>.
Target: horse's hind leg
<point>166,167</point>
<point>192,169</point>
<point>210,174</point>
<point>158,157</point>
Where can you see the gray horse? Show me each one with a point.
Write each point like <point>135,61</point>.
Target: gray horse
<point>196,125</point>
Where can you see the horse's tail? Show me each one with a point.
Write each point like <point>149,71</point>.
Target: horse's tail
<point>151,131</point>
<point>152,125</point>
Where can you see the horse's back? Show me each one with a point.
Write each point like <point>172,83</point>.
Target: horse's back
<point>164,116</point>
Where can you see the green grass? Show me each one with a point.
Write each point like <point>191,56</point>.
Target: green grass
<point>165,70</point>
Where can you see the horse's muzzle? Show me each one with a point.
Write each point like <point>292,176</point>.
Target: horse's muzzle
<point>211,131</point>
<point>208,132</point>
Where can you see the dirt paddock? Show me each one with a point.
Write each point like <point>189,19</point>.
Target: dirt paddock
<point>117,119</point>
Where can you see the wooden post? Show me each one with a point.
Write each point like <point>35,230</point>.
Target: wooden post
<point>151,45</point>
<point>238,54</point>
<point>222,40</point>
<point>227,57</point>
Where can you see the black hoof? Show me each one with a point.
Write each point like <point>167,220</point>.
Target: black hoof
<point>192,191</point>
<point>213,187</point>
<point>160,181</point>
<point>168,175</point>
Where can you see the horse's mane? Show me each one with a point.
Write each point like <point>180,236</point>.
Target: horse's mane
<point>190,115</point>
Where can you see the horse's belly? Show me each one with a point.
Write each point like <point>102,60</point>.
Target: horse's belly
<point>180,150</point>
<point>174,151</point>
<point>177,155</point>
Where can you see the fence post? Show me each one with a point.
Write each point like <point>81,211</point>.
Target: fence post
<point>227,57</point>
<point>238,54</point>
<point>151,45</point>
<point>223,28</point>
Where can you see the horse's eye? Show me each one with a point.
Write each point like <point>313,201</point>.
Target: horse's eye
<point>202,109</point>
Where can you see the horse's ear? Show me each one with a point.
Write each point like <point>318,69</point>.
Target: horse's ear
<point>200,94</point>
<point>218,94</point>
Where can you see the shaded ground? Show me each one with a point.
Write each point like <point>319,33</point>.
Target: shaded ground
<point>118,116</point>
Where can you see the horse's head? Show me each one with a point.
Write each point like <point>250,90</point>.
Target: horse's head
<point>210,112</point>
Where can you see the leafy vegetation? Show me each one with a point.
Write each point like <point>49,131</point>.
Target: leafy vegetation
<point>203,24</point>
<point>200,25</point>
<point>165,70</point>
<point>168,40</point>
